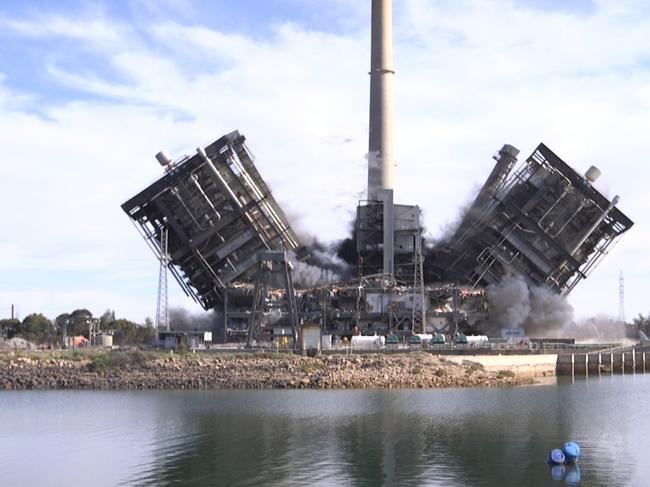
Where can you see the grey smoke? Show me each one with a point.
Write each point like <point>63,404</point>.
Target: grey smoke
<point>183,320</point>
<point>307,275</point>
<point>549,312</point>
<point>509,303</point>
<point>374,165</point>
<point>540,311</point>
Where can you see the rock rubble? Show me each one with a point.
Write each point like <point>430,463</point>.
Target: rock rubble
<point>242,371</point>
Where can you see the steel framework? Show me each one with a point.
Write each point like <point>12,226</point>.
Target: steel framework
<point>219,214</point>
<point>545,221</point>
<point>162,308</point>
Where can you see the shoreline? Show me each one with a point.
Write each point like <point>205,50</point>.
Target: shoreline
<point>129,370</point>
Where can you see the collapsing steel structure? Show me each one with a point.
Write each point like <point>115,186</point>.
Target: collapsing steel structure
<point>542,220</point>
<point>213,221</point>
<point>218,214</point>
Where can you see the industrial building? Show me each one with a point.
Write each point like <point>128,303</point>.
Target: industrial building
<point>213,223</point>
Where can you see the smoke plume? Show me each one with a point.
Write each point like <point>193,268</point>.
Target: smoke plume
<point>307,275</point>
<point>540,311</point>
<point>183,320</point>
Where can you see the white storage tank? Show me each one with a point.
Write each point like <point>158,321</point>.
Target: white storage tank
<point>367,342</point>
<point>425,338</point>
<point>476,340</point>
<point>105,340</point>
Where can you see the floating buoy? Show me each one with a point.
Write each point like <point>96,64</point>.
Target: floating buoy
<point>571,451</point>
<point>556,457</point>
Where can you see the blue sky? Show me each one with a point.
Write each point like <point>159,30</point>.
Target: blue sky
<point>89,91</point>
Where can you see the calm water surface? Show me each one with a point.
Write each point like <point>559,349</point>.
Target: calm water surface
<point>458,437</point>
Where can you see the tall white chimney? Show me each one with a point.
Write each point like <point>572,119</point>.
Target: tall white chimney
<point>381,168</point>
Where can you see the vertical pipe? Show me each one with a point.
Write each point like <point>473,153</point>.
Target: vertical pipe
<point>591,230</point>
<point>381,169</point>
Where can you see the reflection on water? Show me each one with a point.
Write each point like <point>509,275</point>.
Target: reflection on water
<point>407,437</point>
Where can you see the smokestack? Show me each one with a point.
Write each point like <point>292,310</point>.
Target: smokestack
<point>381,169</point>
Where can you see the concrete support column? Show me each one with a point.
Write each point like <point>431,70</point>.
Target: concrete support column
<point>617,362</point>
<point>628,362</point>
<point>606,362</point>
<point>580,363</point>
<point>593,363</point>
<point>564,364</point>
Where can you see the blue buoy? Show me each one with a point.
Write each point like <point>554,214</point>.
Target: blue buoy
<point>571,451</point>
<point>556,457</point>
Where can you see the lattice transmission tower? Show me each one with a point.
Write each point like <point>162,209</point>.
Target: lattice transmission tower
<point>162,308</point>
<point>419,318</point>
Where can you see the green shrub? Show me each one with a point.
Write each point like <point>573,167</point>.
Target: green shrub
<point>502,374</point>
<point>472,366</point>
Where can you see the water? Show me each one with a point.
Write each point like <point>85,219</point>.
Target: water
<point>468,437</point>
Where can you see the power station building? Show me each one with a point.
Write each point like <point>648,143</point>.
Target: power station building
<point>213,222</point>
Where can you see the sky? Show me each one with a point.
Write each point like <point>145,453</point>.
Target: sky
<point>91,90</point>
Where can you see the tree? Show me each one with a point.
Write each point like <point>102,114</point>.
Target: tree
<point>37,328</point>
<point>106,319</point>
<point>642,323</point>
<point>127,332</point>
<point>79,322</point>
<point>61,322</point>
<point>8,327</point>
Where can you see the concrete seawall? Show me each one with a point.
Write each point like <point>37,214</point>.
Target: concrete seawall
<point>525,366</point>
<point>622,362</point>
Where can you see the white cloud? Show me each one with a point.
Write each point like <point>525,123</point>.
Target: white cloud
<point>471,76</point>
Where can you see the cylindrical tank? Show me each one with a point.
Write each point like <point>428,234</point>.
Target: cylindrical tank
<point>367,342</point>
<point>105,340</point>
<point>438,338</point>
<point>164,158</point>
<point>592,174</point>
<point>476,338</point>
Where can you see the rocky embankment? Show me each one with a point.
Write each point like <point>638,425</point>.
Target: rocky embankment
<point>157,370</point>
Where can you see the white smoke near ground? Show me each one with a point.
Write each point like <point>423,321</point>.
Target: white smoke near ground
<point>601,328</point>
<point>538,310</point>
